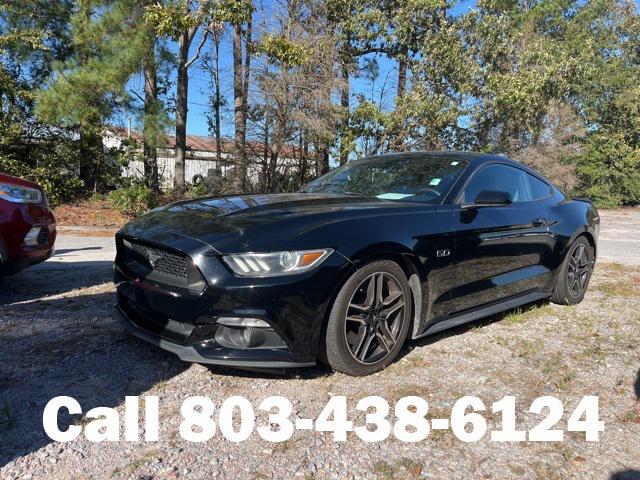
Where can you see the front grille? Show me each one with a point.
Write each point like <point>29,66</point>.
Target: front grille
<point>158,265</point>
<point>161,261</point>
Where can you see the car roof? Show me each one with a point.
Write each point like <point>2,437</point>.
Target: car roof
<point>471,157</point>
<point>475,159</point>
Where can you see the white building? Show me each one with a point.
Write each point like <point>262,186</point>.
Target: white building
<point>200,157</point>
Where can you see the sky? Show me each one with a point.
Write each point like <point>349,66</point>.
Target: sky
<point>200,87</point>
<point>199,78</point>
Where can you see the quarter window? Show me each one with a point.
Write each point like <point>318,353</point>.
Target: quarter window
<point>522,186</point>
<point>539,189</point>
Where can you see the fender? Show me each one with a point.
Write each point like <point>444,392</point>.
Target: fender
<point>415,271</point>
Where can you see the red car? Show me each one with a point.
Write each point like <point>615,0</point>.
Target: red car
<point>27,226</point>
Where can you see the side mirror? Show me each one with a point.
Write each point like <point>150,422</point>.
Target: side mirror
<point>491,198</point>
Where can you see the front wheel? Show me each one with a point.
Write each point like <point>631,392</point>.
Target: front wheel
<point>369,320</point>
<point>575,273</point>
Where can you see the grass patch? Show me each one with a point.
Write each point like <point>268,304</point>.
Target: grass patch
<point>611,268</point>
<point>384,470</point>
<point>557,372</point>
<point>566,452</point>
<point>413,468</point>
<point>287,445</point>
<point>403,468</point>
<point>521,315</point>
<point>502,341</point>
<point>619,289</point>
<point>525,348</point>
<point>515,317</point>
<point>140,461</point>
<point>395,393</point>
<point>593,353</point>
<point>631,416</point>
<point>259,476</point>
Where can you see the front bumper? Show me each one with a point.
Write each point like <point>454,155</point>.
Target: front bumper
<point>216,356</point>
<point>17,221</point>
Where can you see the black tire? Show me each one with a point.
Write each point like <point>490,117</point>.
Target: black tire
<point>197,179</point>
<point>575,273</point>
<point>378,327</point>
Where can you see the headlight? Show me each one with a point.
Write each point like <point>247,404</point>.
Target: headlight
<point>20,194</point>
<point>275,263</point>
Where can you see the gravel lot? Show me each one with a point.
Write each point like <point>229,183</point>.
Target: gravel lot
<point>58,337</point>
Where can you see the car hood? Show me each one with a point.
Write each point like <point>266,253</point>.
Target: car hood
<point>249,222</point>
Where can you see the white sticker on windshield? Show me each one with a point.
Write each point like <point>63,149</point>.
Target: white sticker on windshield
<point>393,196</point>
<point>435,181</point>
<point>454,163</point>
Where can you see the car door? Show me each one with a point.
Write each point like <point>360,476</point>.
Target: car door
<point>499,250</point>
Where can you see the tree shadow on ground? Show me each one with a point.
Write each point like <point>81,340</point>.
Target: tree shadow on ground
<point>637,386</point>
<point>69,346</point>
<point>51,278</point>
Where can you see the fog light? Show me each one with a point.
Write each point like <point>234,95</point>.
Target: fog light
<point>31,240</point>
<point>242,322</point>
<point>253,337</point>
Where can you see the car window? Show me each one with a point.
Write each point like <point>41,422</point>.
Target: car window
<point>408,178</point>
<point>522,186</point>
<point>539,189</point>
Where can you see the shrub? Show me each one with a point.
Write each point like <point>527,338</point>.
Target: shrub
<point>197,191</point>
<point>134,199</point>
<point>609,171</point>
<point>59,184</point>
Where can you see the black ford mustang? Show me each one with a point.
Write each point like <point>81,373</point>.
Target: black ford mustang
<point>377,251</point>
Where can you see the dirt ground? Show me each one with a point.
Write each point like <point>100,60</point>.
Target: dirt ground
<point>96,212</point>
<point>59,337</point>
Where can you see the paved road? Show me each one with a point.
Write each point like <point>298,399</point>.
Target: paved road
<point>620,236</point>
<point>73,249</point>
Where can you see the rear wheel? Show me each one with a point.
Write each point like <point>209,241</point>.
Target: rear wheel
<point>369,320</point>
<point>575,273</point>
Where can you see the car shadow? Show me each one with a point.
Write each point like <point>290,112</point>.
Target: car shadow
<point>69,346</point>
<point>306,373</point>
<point>64,251</point>
<point>321,370</point>
<point>53,278</point>
<point>626,475</point>
<point>461,329</point>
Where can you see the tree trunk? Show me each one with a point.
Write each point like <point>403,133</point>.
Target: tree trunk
<point>266,178</point>
<point>216,80</point>
<point>247,70</point>
<point>245,90</point>
<point>304,160</point>
<point>273,167</point>
<point>321,152</point>
<point>181,110</point>
<point>240,160</point>
<point>150,127</point>
<point>402,72</point>
<point>344,103</point>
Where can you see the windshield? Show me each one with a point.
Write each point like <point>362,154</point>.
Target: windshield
<point>415,178</point>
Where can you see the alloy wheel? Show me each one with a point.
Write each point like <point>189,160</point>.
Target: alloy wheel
<point>375,317</point>
<point>578,271</point>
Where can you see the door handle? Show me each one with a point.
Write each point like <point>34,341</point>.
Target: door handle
<point>541,222</point>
